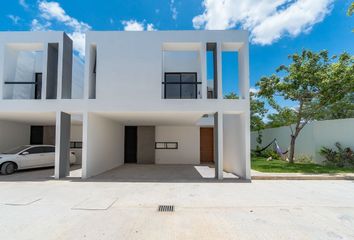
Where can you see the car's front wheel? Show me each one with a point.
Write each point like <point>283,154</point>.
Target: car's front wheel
<point>8,168</point>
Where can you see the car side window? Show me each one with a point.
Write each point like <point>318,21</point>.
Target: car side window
<point>36,150</point>
<point>49,149</point>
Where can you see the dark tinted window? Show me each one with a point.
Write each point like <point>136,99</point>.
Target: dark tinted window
<point>189,91</point>
<point>35,150</point>
<point>181,85</point>
<point>171,77</point>
<point>49,149</point>
<point>173,91</point>
<point>188,77</point>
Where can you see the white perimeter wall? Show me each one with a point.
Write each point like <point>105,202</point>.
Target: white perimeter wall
<point>103,145</point>
<point>312,137</point>
<point>188,138</point>
<point>13,134</point>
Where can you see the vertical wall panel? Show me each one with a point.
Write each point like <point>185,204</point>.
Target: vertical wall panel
<point>146,144</point>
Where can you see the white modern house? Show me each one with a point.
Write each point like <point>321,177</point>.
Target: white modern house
<point>147,99</point>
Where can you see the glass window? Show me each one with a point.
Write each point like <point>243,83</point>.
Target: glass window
<point>189,91</point>
<point>172,145</point>
<point>49,149</point>
<point>189,77</point>
<point>181,85</point>
<point>172,77</point>
<point>173,91</point>
<point>35,150</point>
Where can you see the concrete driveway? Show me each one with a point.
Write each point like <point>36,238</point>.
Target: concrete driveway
<point>69,209</point>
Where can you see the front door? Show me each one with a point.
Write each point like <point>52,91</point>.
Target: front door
<point>36,135</point>
<point>206,145</point>
<point>130,144</point>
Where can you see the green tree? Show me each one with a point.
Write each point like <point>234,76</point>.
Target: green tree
<point>350,9</point>
<point>339,110</point>
<point>258,110</point>
<point>312,81</point>
<point>285,117</point>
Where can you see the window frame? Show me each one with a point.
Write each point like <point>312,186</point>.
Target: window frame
<point>166,145</point>
<point>181,83</point>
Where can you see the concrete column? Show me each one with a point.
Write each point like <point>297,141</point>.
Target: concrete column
<point>247,134</point>
<point>218,145</point>
<point>60,70</point>
<point>219,68</point>
<point>67,67</point>
<point>243,71</point>
<point>44,70</point>
<point>203,70</point>
<point>2,69</point>
<point>62,145</point>
<point>236,144</point>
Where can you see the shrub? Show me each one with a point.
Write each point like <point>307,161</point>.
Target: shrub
<point>304,159</point>
<point>341,157</point>
<point>269,153</point>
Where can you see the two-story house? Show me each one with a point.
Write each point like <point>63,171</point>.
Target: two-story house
<point>147,98</point>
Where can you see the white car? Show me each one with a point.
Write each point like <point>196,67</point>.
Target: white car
<point>29,156</point>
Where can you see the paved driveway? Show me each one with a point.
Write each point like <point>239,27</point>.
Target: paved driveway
<point>128,210</point>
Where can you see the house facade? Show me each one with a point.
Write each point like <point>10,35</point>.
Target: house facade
<point>148,98</point>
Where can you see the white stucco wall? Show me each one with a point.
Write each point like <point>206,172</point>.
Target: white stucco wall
<point>188,138</point>
<point>133,63</point>
<point>103,145</point>
<point>234,145</point>
<point>312,137</point>
<point>13,134</point>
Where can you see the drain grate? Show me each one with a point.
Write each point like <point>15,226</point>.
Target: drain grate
<point>166,208</point>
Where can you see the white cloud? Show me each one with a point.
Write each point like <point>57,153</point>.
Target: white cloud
<point>173,9</point>
<point>254,90</point>
<point>52,12</point>
<point>38,26</point>
<point>267,20</point>
<point>14,19</point>
<point>134,25</point>
<point>23,4</point>
<point>150,27</point>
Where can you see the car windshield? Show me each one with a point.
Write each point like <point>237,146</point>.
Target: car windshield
<point>15,150</point>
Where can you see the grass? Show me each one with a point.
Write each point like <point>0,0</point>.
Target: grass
<point>280,166</point>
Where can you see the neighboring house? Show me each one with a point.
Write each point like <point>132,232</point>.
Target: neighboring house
<point>147,99</point>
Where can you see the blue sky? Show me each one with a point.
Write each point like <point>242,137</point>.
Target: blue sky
<point>277,27</point>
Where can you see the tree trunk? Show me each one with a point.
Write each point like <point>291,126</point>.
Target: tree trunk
<point>292,149</point>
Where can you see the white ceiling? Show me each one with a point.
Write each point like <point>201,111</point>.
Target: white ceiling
<point>45,118</point>
<point>155,118</point>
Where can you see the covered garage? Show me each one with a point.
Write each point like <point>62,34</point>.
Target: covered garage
<point>41,130</point>
<point>160,146</point>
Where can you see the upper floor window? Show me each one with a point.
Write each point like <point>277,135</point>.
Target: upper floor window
<point>181,85</point>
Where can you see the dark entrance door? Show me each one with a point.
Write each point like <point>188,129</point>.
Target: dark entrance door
<point>36,135</point>
<point>206,145</point>
<point>130,144</point>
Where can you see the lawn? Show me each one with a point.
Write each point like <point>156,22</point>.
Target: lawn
<point>279,166</point>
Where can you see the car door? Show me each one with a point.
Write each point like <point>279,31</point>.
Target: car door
<point>34,158</point>
<point>49,158</point>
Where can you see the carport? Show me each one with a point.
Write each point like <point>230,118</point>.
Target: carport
<point>48,128</point>
<point>163,146</point>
